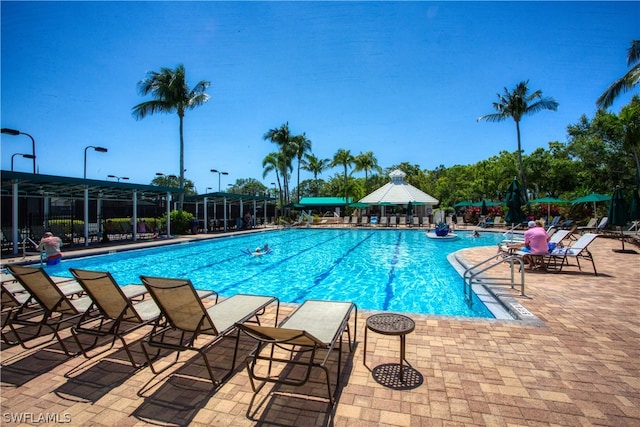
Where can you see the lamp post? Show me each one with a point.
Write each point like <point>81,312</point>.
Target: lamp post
<point>207,189</point>
<point>33,143</point>
<point>26,156</point>
<point>98,149</point>
<point>219,175</point>
<point>118,177</point>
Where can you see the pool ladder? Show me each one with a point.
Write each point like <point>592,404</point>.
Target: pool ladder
<point>474,274</point>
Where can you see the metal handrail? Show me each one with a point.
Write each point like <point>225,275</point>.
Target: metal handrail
<point>471,274</point>
<point>37,246</point>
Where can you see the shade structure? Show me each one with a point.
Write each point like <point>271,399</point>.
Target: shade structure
<point>398,192</point>
<point>549,201</point>
<point>359,205</point>
<point>487,203</point>
<point>592,198</point>
<point>514,201</point>
<point>463,204</point>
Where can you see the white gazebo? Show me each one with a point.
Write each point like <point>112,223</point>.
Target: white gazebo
<point>399,192</point>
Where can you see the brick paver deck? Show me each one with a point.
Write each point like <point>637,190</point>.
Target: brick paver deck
<point>579,367</point>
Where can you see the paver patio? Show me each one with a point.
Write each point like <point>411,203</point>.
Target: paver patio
<point>580,366</point>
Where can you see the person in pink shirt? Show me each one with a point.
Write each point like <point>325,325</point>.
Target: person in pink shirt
<point>536,242</point>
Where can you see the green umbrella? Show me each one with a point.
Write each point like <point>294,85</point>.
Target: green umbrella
<point>359,205</point>
<point>592,198</point>
<point>514,201</point>
<point>463,204</point>
<point>486,203</point>
<point>549,201</point>
<point>618,213</point>
<point>634,208</point>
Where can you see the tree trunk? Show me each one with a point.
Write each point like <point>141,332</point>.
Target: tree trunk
<point>181,162</point>
<point>522,173</point>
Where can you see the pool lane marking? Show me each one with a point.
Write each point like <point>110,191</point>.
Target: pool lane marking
<point>232,244</point>
<point>322,276</point>
<point>274,265</point>
<point>392,274</point>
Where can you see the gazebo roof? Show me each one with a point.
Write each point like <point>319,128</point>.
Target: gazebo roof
<point>399,192</point>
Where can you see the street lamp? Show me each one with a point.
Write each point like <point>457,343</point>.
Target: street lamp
<point>219,175</point>
<point>33,143</point>
<point>26,156</point>
<point>98,149</point>
<point>207,189</point>
<point>118,177</point>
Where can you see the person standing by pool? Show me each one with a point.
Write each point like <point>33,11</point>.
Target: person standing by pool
<point>51,244</point>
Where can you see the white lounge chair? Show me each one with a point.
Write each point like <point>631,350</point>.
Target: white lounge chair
<point>577,250</point>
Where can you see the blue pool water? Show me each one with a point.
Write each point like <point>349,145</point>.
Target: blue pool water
<point>395,270</point>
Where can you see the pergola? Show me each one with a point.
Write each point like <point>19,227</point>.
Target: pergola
<point>29,185</point>
<point>227,199</point>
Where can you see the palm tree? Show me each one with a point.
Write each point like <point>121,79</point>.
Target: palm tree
<point>626,82</point>
<point>172,94</point>
<point>315,165</point>
<point>366,162</point>
<point>272,163</point>
<point>516,104</point>
<point>302,145</point>
<point>282,137</point>
<point>345,159</point>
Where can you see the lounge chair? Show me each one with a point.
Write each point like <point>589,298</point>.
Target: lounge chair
<point>119,314</point>
<point>185,313</point>
<point>364,221</point>
<point>384,221</point>
<point>425,221</point>
<point>590,225</point>
<point>577,250</point>
<point>555,240</point>
<point>312,331</point>
<point>415,221</point>
<point>593,227</point>
<point>393,221</point>
<point>354,220</point>
<point>347,220</point>
<point>402,221</point>
<point>58,308</point>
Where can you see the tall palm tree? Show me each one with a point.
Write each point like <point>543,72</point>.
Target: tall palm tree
<point>315,165</point>
<point>273,163</point>
<point>171,94</point>
<point>345,159</point>
<point>517,104</point>
<point>284,140</point>
<point>302,145</point>
<point>626,82</point>
<point>366,162</point>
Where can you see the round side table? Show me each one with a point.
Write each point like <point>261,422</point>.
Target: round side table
<point>389,324</point>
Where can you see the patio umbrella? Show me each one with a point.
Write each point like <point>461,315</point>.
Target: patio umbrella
<point>592,198</point>
<point>549,201</point>
<point>463,204</point>
<point>634,208</point>
<point>410,209</point>
<point>618,213</point>
<point>359,205</point>
<point>483,210</point>
<point>514,202</point>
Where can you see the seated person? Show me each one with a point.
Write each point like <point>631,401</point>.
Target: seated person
<point>536,242</point>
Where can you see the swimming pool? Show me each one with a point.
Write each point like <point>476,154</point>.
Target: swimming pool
<point>397,270</point>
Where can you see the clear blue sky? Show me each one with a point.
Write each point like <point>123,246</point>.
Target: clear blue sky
<point>406,80</point>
